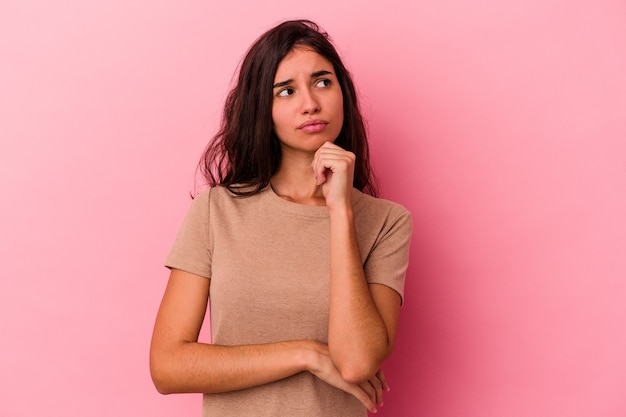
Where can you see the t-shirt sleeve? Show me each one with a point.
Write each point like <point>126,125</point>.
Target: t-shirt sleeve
<point>389,258</point>
<point>191,249</point>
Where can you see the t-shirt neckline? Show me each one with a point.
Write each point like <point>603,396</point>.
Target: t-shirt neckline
<point>282,204</point>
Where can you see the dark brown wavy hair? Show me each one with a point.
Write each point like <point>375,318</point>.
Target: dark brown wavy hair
<point>246,152</point>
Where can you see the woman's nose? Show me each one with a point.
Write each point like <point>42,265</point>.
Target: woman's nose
<point>310,105</point>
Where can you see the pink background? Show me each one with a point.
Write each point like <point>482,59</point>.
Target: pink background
<point>500,125</point>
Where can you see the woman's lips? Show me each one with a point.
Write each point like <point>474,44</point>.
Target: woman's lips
<point>313,126</point>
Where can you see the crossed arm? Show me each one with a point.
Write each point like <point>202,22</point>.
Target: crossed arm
<point>179,363</point>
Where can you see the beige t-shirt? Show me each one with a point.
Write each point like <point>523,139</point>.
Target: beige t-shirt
<point>268,261</point>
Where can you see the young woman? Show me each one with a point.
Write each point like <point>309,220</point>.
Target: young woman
<point>303,266</point>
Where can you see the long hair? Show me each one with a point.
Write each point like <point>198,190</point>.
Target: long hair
<point>245,152</point>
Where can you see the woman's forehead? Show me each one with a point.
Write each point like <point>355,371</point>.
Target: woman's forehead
<point>302,59</point>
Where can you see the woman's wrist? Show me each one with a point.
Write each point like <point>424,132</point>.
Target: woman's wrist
<point>341,211</point>
<point>310,355</point>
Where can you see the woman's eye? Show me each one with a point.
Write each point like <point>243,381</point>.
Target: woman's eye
<point>323,83</point>
<point>285,92</point>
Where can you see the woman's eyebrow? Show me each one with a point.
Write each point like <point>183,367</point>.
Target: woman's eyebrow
<point>289,81</point>
<point>283,83</point>
<point>320,73</point>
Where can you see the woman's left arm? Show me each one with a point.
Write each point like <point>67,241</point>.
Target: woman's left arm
<point>362,317</point>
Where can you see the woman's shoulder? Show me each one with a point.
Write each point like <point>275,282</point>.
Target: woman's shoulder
<point>222,191</point>
<point>370,204</point>
<point>377,218</point>
<point>222,196</point>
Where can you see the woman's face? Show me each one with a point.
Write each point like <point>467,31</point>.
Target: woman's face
<point>307,108</point>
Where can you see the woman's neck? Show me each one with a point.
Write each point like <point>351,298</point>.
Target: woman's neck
<point>294,182</point>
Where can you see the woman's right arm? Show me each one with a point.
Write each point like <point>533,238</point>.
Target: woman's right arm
<point>179,363</point>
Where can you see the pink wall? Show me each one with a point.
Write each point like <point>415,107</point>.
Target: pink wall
<point>500,125</point>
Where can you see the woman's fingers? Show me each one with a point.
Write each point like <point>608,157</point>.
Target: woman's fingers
<point>327,372</point>
<point>383,380</point>
<point>333,168</point>
<point>363,396</point>
<point>323,368</point>
<point>370,390</point>
<point>330,157</point>
<point>375,387</point>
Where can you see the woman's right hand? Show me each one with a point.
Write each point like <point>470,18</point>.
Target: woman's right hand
<point>369,393</point>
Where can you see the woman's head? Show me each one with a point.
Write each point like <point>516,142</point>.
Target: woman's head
<point>307,107</point>
<point>246,150</point>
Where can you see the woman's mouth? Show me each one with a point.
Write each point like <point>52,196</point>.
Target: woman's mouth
<point>313,126</point>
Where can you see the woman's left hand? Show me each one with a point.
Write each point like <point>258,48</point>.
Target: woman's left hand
<point>376,386</point>
<point>333,168</point>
